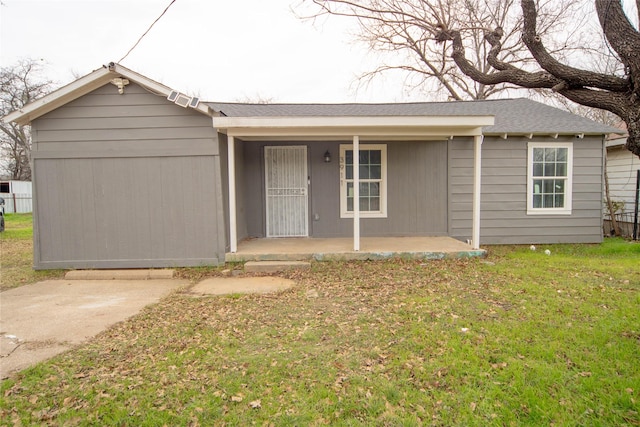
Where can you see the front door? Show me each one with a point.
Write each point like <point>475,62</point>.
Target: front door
<point>286,191</point>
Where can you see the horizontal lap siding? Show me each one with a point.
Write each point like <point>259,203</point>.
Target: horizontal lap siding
<point>417,182</point>
<point>126,181</point>
<point>504,216</point>
<point>622,169</point>
<point>416,190</point>
<point>107,123</point>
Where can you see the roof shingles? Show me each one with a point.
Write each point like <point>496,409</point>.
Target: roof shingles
<point>512,116</point>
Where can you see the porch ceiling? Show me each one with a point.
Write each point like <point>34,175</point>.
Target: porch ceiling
<point>338,128</point>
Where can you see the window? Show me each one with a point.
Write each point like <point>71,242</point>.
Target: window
<point>373,181</point>
<point>549,178</point>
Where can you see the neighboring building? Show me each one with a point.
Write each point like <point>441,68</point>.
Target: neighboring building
<point>128,173</point>
<point>17,196</point>
<point>622,171</point>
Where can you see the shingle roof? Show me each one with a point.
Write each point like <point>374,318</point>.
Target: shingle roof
<point>512,116</point>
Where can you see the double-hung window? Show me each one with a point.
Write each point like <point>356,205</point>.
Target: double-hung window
<point>372,169</point>
<point>549,178</point>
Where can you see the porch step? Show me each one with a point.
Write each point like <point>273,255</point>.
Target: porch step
<point>128,274</point>
<point>275,266</point>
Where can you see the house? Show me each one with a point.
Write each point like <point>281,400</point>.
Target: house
<point>130,173</point>
<point>17,196</point>
<point>622,171</point>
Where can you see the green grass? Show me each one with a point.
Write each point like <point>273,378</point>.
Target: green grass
<point>16,254</point>
<point>518,338</point>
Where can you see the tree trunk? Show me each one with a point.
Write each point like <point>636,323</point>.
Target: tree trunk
<point>633,128</point>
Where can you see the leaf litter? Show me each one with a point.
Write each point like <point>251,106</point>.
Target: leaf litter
<point>353,340</point>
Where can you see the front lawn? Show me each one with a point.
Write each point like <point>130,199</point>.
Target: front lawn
<point>518,338</point>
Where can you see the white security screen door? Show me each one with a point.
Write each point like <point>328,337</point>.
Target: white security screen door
<point>286,191</point>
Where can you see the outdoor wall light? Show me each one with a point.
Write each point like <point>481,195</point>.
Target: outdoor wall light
<point>327,157</point>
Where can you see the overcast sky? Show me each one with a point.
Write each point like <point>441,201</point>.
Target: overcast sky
<point>234,50</point>
<point>221,50</point>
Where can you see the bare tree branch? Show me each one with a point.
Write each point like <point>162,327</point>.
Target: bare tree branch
<point>571,76</point>
<point>496,46</point>
<point>19,85</point>
<point>604,91</point>
<point>406,29</point>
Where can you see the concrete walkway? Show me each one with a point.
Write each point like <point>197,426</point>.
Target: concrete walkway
<point>43,319</point>
<point>241,285</point>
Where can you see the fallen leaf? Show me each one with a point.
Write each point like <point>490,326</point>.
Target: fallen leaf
<point>236,398</point>
<point>256,404</point>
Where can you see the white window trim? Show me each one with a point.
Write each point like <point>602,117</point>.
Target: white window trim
<point>568,197</point>
<point>382,213</point>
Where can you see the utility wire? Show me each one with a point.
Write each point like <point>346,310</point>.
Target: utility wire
<point>148,29</point>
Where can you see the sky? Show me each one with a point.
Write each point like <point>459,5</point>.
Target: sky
<point>220,50</point>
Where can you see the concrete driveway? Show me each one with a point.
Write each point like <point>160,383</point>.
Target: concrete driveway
<point>43,319</point>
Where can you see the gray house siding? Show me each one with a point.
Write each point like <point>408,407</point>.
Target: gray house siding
<point>622,169</point>
<point>133,180</point>
<point>504,218</point>
<point>126,181</point>
<point>416,190</point>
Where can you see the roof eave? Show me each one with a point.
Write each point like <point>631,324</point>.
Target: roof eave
<point>520,133</point>
<point>59,97</point>
<point>341,126</point>
<point>84,85</point>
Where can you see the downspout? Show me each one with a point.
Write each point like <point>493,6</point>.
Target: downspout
<point>477,175</point>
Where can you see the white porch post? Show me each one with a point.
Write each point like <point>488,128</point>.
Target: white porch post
<point>477,175</point>
<point>356,193</point>
<point>231,163</point>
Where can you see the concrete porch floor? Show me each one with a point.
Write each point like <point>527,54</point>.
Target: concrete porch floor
<point>371,248</point>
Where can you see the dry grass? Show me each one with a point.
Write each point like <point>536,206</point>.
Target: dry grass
<point>520,338</point>
<point>16,254</point>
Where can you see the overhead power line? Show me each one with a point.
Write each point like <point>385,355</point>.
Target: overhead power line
<point>148,29</point>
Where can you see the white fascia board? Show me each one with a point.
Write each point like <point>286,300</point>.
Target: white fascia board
<point>154,86</point>
<point>84,85</point>
<point>60,97</point>
<point>352,125</point>
<point>616,142</point>
<point>395,132</point>
<point>141,80</point>
<point>224,122</point>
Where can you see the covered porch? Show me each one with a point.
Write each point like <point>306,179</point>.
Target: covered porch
<point>341,249</point>
<point>350,134</point>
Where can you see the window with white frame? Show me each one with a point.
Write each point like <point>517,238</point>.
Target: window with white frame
<point>549,178</point>
<point>372,169</point>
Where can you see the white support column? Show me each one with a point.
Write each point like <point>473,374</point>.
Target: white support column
<point>356,193</point>
<point>231,163</point>
<point>477,175</point>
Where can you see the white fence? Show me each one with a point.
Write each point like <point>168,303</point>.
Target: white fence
<point>17,202</point>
